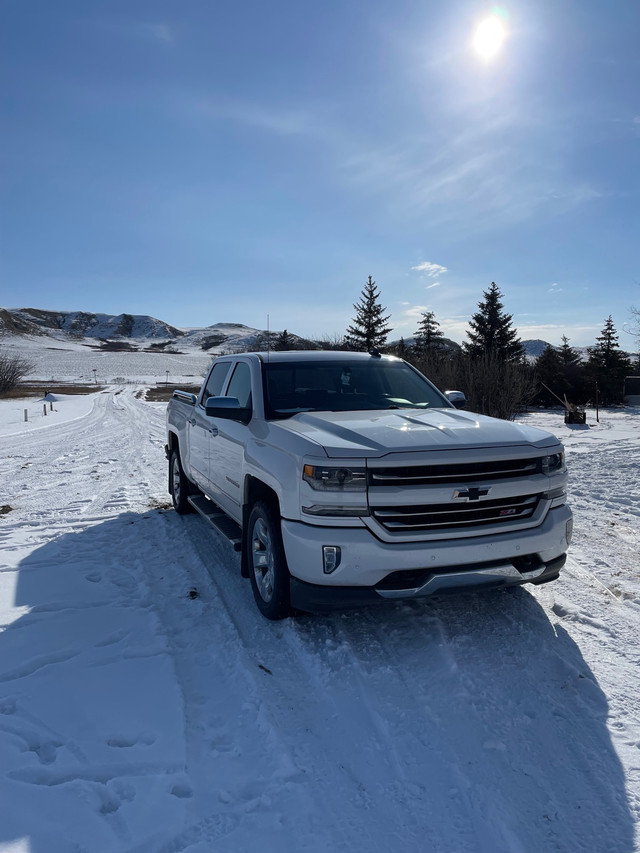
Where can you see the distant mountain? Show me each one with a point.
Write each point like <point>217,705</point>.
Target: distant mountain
<point>447,343</point>
<point>134,332</point>
<point>81,324</point>
<point>535,347</point>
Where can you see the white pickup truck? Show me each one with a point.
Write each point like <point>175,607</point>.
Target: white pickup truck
<point>347,478</point>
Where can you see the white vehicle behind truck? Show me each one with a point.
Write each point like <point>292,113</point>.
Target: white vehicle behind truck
<point>348,478</point>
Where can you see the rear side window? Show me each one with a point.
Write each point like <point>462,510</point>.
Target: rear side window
<point>240,385</point>
<point>216,380</point>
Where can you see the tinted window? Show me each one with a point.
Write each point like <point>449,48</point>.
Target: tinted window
<point>347,386</point>
<point>240,385</point>
<point>216,380</point>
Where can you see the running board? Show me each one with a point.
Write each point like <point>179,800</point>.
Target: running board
<point>217,519</point>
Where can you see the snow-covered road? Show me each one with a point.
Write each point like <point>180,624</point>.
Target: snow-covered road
<point>135,718</point>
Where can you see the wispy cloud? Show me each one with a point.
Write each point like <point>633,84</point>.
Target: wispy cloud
<point>477,175</point>
<point>281,122</point>
<point>435,284</point>
<point>158,32</point>
<point>431,269</point>
<point>555,288</point>
<point>474,173</point>
<point>414,313</point>
<point>579,334</point>
<point>141,31</point>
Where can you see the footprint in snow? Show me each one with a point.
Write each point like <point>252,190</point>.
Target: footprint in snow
<point>125,741</point>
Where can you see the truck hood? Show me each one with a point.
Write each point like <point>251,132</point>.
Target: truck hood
<point>371,434</point>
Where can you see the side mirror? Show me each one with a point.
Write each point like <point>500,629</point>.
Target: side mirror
<point>457,398</point>
<point>228,408</point>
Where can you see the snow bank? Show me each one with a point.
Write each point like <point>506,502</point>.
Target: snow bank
<point>42,413</point>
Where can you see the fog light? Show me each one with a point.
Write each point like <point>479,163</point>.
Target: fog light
<point>331,557</point>
<point>569,531</point>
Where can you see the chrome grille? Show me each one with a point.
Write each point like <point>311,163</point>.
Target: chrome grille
<point>455,472</point>
<point>455,516</point>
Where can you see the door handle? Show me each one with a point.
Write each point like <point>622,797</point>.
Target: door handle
<point>192,422</point>
<point>214,430</point>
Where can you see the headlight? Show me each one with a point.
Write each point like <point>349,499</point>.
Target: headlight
<point>326,479</point>
<point>553,464</point>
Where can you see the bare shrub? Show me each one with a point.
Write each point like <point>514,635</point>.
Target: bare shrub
<point>491,385</point>
<point>330,342</point>
<point>13,369</point>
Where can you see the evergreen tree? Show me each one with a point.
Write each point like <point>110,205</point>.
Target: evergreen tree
<point>491,331</point>
<point>568,356</point>
<point>428,338</point>
<point>573,373</point>
<point>550,374</point>
<point>369,329</point>
<point>284,342</point>
<point>401,349</point>
<point>608,365</point>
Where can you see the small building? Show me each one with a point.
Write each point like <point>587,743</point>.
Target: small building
<point>631,392</point>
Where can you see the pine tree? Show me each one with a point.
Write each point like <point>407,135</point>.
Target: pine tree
<point>550,374</point>
<point>284,342</point>
<point>428,338</point>
<point>369,329</point>
<point>491,332</point>
<point>608,365</point>
<point>573,373</point>
<point>568,356</point>
<point>401,349</point>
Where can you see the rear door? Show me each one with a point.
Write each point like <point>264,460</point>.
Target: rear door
<point>227,446</point>
<point>200,426</point>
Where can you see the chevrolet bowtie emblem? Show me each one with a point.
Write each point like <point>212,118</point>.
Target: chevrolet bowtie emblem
<point>472,494</point>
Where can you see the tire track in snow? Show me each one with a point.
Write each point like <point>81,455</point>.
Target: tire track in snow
<point>89,466</point>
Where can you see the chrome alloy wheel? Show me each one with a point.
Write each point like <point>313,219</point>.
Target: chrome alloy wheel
<point>176,484</point>
<point>263,559</point>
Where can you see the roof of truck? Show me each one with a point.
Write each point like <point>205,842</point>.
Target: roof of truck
<point>317,355</point>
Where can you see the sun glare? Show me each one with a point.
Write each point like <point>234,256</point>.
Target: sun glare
<point>488,37</point>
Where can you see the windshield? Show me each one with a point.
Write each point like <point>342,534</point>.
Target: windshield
<point>347,385</point>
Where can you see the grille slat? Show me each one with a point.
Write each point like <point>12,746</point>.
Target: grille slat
<point>458,472</point>
<point>442,516</point>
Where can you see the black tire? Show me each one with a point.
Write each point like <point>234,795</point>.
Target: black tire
<point>179,486</point>
<point>268,571</point>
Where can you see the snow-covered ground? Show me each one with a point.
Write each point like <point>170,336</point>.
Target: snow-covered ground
<point>135,718</point>
<point>68,361</point>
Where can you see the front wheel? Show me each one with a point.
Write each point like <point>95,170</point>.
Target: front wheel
<point>179,486</point>
<point>267,562</point>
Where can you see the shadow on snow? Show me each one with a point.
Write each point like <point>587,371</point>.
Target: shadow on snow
<point>474,706</point>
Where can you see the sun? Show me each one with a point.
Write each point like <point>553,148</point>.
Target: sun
<point>488,37</point>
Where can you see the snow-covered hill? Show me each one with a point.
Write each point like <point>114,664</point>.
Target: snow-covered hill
<point>137,332</point>
<point>82,324</point>
<point>81,347</point>
<point>146,707</point>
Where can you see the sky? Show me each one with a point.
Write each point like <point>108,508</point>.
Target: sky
<point>230,161</point>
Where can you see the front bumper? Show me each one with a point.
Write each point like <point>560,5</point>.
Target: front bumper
<point>314,598</point>
<point>480,560</point>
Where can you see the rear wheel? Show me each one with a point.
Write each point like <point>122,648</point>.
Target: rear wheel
<point>267,562</point>
<point>179,486</point>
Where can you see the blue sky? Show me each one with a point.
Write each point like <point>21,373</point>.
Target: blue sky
<point>220,161</point>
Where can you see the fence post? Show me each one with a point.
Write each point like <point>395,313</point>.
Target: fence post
<point>44,410</point>
<point>26,415</point>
